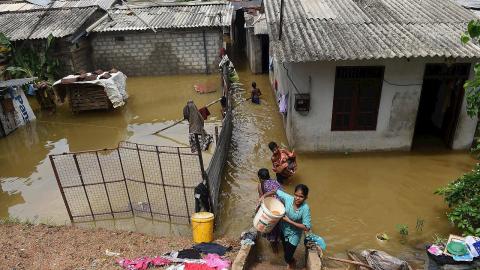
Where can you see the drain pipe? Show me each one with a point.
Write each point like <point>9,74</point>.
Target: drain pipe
<point>281,20</point>
<point>207,71</point>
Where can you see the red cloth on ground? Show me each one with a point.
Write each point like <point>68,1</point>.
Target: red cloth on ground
<point>197,266</point>
<point>204,112</point>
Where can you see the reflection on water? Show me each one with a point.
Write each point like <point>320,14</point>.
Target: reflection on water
<point>352,197</point>
<point>29,187</point>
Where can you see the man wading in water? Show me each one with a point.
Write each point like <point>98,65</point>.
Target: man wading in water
<point>196,126</point>
<point>256,93</point>
<point>283,161</point>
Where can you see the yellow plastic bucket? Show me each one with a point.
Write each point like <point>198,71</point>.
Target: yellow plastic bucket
<point>202,227</point>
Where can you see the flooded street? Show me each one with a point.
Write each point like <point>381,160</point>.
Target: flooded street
<point>352,196</point>
<point>28,186</point>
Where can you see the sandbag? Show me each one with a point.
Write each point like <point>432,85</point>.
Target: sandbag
<point>380,260</point>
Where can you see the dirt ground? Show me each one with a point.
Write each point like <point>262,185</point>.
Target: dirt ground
<point>66,247</point>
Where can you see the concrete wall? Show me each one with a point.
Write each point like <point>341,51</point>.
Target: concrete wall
<point>466,126</point>
<point>74,57</point>
<point>161,53</point>
<point>397,111</point>
<point>254,51</point>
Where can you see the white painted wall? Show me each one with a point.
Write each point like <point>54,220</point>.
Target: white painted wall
<point>397,110</point>
<point>466,126</point>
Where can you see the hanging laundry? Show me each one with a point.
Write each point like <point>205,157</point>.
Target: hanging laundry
<point>189,254</point>
<point>214,261</point>
<point>202,198</point>
<point>283,103</point>
<point>207,248</point>
<point>204,112</point>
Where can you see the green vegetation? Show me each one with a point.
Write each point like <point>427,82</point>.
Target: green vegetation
<point>472,87</point>
<point>403,231</point>
<point>439,240</point>
<point>31,60</point>
<point>463,199</point>
<point>16,220</point>
<point>419,225</point>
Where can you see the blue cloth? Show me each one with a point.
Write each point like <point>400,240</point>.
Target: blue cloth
<point>291,233</point>
<point>464,258</point>
<point>31,90</point>
<point>315,239</point>
<point>256,100</point>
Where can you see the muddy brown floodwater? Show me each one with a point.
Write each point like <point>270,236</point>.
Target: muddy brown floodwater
<point>352,196</point>
<point>28,186</point>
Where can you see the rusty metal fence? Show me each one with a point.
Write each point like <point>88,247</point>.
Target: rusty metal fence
<point>131,180</point>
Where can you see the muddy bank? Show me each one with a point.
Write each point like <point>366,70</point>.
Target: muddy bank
<point>68,247</point>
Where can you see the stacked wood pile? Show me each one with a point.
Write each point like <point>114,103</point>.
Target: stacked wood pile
<point>85,97</point>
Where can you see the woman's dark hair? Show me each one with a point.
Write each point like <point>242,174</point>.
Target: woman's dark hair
<point>254,84</point>
<point>272,145</point>
<point>263,174</point>
<point>303,188</point>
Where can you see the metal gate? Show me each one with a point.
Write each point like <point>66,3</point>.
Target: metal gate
<point>131,180</point>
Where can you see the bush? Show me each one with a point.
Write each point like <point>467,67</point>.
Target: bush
<point>463,199</point>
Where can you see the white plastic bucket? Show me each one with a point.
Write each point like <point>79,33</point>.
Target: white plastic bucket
<point>269,213</point>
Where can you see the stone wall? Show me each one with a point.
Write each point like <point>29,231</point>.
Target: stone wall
<point>166,52</point>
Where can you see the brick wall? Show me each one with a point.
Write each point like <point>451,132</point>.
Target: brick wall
<point>165,52</point>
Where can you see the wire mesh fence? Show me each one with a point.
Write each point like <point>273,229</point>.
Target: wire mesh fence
<point>131,180</point>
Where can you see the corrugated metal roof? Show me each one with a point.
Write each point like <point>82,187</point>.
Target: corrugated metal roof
<point>165,16</point>
<point>258,22</point>
<point>38,24</point>
<point>15,6</point>
<point>369,29</point>
<point>16,82</point>
<point>260,25</point>
<point>469,3</point>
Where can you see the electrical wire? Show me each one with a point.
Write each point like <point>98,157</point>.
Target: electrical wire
<point>290,79</point>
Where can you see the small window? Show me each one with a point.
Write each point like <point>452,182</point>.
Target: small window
<point>119,38</point>
<point>356,98</point>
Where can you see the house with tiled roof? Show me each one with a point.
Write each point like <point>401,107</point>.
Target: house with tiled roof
<point>366,75</point>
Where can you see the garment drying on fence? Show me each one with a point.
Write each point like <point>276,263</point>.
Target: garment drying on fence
<point>204,112</point>
<point>202,198</point>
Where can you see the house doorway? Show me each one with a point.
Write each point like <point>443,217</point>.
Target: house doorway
<point>440,104</point>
